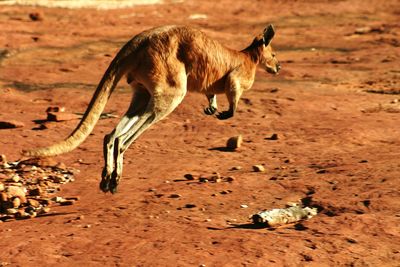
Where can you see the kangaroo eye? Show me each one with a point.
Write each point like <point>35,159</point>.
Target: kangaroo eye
<point>273,54</point>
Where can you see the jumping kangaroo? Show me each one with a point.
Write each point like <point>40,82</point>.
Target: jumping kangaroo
<point>161,64</point>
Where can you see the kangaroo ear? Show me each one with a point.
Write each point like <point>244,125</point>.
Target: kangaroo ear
<point>269,33</point>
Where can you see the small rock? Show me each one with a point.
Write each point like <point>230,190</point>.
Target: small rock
<point>55,109</point>
<point>230,179</point>
<point>236,168</point>
<point>15,178</point>
<point>11,211</point>
<point>189,176</point>
<point>216,178</point>
<point>3,159</point>
<point>190,206</point>
<point>258,168</point>
<point>10,124</point>
<point>203,180</point>
<point>244,206</point>
<point>34,203</point>
<point>58,199</point>
<point>87,226</point>
<point>16,202</point>
<point>44,210</point>
<point>36,16</point>
<point>21,214</point>
<point>272,137</point>
<point>363,30</point>
<point>16,191</point>
<point>175,196</point>
<point>36,191</point>
<point>234,142</point>
<point>3,197</point>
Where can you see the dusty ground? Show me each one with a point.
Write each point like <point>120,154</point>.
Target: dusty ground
<point>338,142</point>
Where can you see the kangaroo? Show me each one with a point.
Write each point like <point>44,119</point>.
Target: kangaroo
<point>161,65</point>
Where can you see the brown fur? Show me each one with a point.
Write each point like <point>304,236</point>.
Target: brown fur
<point>161,64</point>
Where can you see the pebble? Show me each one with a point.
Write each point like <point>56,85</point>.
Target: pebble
<point>244,206</point>
<point>34,203</point>
<point>189,176</point>
<point>16,191</point>
<point>25,183</point>
<point>190,206</point>
<point>230,179</point>
<point>274,136</point>
<point>234,142</point>
<point>16,178</point>
<point>258,168</point>
<point>16,202</point>
<point>203,180</point>
<point>174,196</point>
<point>236,168</point>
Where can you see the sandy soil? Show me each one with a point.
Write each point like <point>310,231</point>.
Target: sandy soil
<point>338,139</point>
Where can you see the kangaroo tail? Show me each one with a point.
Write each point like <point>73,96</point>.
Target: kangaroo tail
<point>99,100</point>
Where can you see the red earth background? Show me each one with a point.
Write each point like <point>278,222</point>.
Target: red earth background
<point>334,106</point>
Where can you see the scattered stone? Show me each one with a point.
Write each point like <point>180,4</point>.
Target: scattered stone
<point>236,168</point>
<point>16,202</point>
<point>3,161</point>
<point>365,30</point>
<point>25,185</point>
<point>216,178</point>
<point>230,179</point>
<point>203,180</point>
<point>55,109</point>
<point>190,206</point>
<point>174,196</point>
<point>36,191</point>
<point>234,142</point>
<point>11,211</point>
<point>258,168</point>
<point>36,16</point>
<point>189,176</point>
<point>272,137</point>
<point>34,203</point>
<point>11,124</point>
<point>16,191</point>
<point>15,178</point>
<point>244,206</point>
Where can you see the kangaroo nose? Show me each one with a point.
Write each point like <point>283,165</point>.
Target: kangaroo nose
<point>278,67</point>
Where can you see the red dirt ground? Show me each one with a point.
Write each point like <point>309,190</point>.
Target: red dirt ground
<point>338,142</point>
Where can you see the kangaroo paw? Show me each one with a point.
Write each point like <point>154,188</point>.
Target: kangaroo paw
<point>210,110</point>
<point>105,181</point>
<point>113,183</point>
<point>224,115</point>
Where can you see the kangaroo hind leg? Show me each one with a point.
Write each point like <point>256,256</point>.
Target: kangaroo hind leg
<point>158,108</point>
<point>111,145</point>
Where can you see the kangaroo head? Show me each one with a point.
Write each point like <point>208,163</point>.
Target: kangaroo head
<point>267,57</point>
